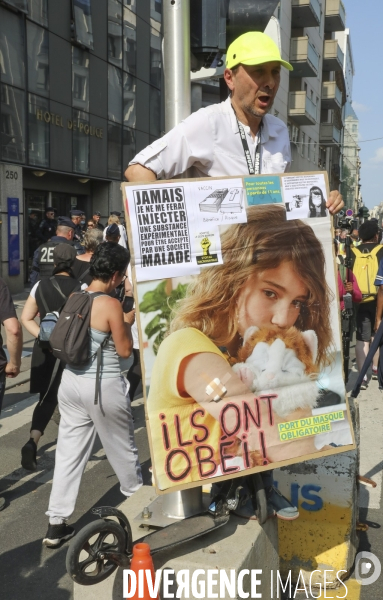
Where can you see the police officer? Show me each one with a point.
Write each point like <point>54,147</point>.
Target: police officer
<point>96,220</point>
<point>42,264</point>
<point>76,216</point>
<point>47,226</point>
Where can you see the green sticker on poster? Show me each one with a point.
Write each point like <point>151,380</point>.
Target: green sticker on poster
<point>263,190</point>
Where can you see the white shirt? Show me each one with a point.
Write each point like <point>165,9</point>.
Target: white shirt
<point>210,143</point>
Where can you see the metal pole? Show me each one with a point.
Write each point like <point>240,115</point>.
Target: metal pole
<point>176,52</point>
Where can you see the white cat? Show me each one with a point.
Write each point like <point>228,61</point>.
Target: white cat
<point>282,362</point>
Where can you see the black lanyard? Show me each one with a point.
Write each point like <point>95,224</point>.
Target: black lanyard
<point>254,169</point>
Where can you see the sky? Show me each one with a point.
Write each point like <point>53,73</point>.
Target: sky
<point>365,20</point>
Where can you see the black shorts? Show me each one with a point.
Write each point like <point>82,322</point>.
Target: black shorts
<point>365,321</point>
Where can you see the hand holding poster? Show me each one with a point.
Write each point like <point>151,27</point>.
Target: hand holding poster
<point>247,373</point>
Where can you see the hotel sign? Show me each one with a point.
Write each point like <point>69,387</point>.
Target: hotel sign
<point>57,120</point>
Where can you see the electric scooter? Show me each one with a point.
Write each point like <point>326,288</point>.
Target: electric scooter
<point>102,546</point>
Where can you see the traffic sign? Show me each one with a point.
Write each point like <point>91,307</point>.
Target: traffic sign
<point>349,212</point>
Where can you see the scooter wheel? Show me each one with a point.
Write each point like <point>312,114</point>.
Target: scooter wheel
<point>83,561</point>
<point>260,498</point>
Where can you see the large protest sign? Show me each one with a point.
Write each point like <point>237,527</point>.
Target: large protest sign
<point>240,332</point>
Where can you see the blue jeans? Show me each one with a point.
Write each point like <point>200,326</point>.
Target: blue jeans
<point>2,388</point>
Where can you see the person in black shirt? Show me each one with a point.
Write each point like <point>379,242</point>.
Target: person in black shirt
<point>9,367</point>
<point>76,217</point>
<point>81,266</point>
<point>47,226</point>
<point>96,220</point>
<point>42,263</point>
<point>43,361</point>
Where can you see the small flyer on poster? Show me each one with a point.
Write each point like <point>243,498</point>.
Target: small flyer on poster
<point>263,190</point>
<point>305,196</point>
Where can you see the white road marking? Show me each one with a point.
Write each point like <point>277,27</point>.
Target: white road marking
<point>17,415</point>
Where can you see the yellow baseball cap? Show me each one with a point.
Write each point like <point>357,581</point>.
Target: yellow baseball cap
<point>254,48</point>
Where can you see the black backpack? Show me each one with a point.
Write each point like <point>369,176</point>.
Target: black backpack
<point>70,339</point>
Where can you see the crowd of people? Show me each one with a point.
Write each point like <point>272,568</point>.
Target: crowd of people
<point>95,264</point>
<point>236,137</point>
<point>360,274</point>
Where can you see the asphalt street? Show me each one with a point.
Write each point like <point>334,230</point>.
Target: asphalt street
<point>27,569</point>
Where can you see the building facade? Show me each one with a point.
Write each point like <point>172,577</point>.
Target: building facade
<point>80,94</point>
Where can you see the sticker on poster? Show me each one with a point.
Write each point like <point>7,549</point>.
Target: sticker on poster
<point>161,231</point>
<point>305,196</point>
<point>208,248</point>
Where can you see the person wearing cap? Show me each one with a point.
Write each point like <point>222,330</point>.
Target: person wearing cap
<point>42,262</point>
<point>50,292</point>
<point>76,216</point>
<point>96,220</point>
<point>215,140</point>
<point>115,220</point>
<point>47,226</point>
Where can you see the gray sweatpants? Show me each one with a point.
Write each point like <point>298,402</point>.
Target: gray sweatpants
<point>81,420</point>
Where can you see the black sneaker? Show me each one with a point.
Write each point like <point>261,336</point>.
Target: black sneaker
<point>280,506</point>
<point>57,534</point>
<point>28,456</point>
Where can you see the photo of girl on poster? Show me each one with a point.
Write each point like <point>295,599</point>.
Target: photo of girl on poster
<point>317,203</point>
<point>235,380</point>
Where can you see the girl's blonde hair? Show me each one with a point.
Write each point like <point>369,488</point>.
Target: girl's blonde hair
<point>113,219</point>
<point>264,242</point>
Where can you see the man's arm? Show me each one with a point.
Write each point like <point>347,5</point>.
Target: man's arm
<point>14,346</point>
<point>137,172</point>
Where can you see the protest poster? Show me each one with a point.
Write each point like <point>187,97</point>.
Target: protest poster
<point>241,357</point>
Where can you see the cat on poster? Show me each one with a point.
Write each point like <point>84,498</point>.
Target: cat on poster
<point>243,358</point>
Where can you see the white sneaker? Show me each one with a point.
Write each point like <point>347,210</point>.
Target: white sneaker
<point>364,383</point>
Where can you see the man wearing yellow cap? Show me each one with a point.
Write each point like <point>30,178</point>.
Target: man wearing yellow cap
<point>235,137</point>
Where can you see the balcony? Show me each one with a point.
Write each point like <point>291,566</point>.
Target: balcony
<point>303,57</point>
<point>329,134</point>
<point>302,109</point>
<point>335,16</point>
<point>331,95</point>
<point>333,56</point>
<point>305,13</point>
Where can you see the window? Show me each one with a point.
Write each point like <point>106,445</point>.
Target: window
<point>80,126</point>
<point>132,4</point>
<point>80,79</point>
<point>114,151</point>
<point>156,10</point>
<point>19,4</point>
<point>303,144</point>
<point>38,11</point>
<point>155,112</point>
<point>38,59</point>
<point>38,128</point>
<point>128,145</point>
<point>309,148</point>
<point>82,22</point>
<point>114,94</point>
<point>129,35</point>
<point>155,56</point>
<point>129,100</point>
<point>12,124</point>
<point>314,152</point>
<point>12,49</point>
<point>115,32</point>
